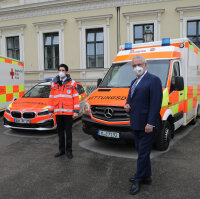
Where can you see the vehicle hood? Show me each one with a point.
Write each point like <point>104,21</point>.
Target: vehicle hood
<point>109,96</point>
<point>29,104</point>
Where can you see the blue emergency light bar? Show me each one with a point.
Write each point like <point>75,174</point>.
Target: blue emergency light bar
<point>128,46</point>
<point>166,42</point>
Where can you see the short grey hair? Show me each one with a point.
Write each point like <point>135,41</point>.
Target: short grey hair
<point>139,57</point>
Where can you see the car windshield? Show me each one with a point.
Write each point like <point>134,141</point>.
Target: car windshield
<point>39,91</point>
<point>121,74</point>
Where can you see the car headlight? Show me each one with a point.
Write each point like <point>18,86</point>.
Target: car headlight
<point>7,110</point>
<point>86,109</point>
<point>44,112</point>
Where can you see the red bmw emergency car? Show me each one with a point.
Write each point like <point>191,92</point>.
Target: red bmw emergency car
<point>31,110</point>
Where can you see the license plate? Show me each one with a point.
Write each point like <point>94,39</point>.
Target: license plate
<point>108,134</point>
<point>22,121</point>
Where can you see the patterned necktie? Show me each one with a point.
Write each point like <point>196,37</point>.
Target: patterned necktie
<point>133,87</point>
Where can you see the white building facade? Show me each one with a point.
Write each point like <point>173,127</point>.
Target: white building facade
<point>86,34</point>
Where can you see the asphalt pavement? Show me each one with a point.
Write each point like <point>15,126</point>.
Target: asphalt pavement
<point>28,169</point>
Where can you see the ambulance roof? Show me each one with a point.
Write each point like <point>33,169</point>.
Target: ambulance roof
<point>157,43</point>
<point>160,52</point>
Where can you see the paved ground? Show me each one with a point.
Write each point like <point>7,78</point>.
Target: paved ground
<point>28,169</point>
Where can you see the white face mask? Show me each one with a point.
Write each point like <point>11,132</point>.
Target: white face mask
<point>138,70</point>
<point>61,74</point>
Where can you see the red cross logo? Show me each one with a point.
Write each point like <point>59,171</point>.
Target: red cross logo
<point>12,73</point>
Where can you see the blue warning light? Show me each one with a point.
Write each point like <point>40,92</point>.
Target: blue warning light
<point>128,46</point>
<point>166,42</point>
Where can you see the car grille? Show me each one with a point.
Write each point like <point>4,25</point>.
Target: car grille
<point>28,115</point>
<point>16,114</point>
<point>25,115</point>
<point>110,113</point>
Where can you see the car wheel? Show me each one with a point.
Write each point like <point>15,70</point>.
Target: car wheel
<point>163,137</point>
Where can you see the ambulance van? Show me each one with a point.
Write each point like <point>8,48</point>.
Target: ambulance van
<point>11,81</point>
<point>176,62</point>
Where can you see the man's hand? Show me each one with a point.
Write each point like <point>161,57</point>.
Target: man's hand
<point>148,128</point>
<point>127,107</point>
<point>75,115</point>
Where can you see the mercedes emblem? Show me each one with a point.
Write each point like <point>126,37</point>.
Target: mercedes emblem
<point>108,113</point>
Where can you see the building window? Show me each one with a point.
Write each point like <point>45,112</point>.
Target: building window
<point>13,47</point>
<point>139,32</point>
<point>95,48</point>
<point>193,31</point>
<point>51,51</point>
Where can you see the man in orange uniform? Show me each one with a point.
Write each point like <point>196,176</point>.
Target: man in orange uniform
<point>64,103</point>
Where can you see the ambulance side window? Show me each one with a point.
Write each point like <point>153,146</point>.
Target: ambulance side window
<point>175,73</point>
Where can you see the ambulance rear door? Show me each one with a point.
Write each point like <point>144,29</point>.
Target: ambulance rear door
<point>11,81</point>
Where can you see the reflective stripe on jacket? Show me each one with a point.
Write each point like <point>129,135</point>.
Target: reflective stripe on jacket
<point>64,99</point>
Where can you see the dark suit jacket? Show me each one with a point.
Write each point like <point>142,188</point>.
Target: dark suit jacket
<point>146,102</point>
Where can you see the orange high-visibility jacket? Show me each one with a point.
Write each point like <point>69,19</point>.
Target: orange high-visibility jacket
<point>63,98</point>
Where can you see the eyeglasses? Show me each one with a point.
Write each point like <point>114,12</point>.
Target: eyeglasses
<point>137,65</point>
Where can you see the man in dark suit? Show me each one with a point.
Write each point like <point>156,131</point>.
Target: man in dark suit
<point>144,104</point>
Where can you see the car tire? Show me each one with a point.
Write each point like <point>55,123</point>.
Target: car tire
<point>163,137</point>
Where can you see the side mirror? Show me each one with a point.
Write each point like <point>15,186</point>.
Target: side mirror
<point>179,83</point>
<point>98,81</point>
